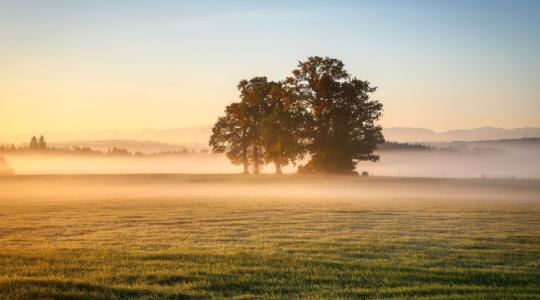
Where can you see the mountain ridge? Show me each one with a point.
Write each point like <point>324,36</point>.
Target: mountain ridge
<point>154,146</point>
<point>200,135</point>
<point>413,134</point>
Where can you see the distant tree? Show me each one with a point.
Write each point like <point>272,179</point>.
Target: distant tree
<point>34,143</point>
<point>340,117</point>
<point>230,134</point>
<point>119,152</point>
<point>42,144</point>
<point>390,146</point>
<point>280,129</point>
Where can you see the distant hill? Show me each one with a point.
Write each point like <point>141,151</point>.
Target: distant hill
<point>523,144</point>
<point>407,134</point>
<point>185,135</point>
<point>190,135</point>
<point>154,147</point>
<point>200,135</point>
<point>527,144</point>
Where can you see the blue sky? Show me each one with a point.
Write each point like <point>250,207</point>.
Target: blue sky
<point>131,65</point>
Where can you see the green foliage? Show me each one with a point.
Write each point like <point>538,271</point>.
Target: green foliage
<point>280,129</point>
<point>230,134</point>
<point>259,128</point>
<point>340,123</point>
<point>320,110</point>
<point>253,95</point>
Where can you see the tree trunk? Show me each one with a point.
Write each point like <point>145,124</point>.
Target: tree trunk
<point>245,160</point>
<point>278,167</point>
<point>255,159</point>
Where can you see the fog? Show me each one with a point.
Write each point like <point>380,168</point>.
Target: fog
<point>457,164</point>
<point>521,162</point>
<point>241,189</point>
<point>24,164</point>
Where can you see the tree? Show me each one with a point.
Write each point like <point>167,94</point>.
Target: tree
<point>339,116</point>
<point>33,143</point>
<point>42,144</point>
<point>240,131</point>
<point>230,134</point>
<point>279,129</point>
<point>253,95</point>
<point>320,110</point>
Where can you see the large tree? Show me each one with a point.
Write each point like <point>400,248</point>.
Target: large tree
<point>230,134</point>
<point>320,109</point>
<point>280,129</point>
<point>253,95</point>
<point>238,132</point>
<point>340,116</point>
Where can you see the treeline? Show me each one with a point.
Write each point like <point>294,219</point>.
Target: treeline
<point>319,111</point>
<point>39,145</point>
<point>390,146</point>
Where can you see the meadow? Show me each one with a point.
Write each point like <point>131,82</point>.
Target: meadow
<point>228,236</point>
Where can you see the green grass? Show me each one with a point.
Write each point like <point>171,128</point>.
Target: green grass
<point>175,237</point>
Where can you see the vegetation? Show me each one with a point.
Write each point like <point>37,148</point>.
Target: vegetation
<point>340,116</point>
<point>40,146</point>
<point>105,237</point>
<point>390,146</point>
<point>231,133</point>
<point>320,110</point>
<point>260,128</point>
<point>279,130</point>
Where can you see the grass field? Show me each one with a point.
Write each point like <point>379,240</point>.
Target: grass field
<point>175,237</point>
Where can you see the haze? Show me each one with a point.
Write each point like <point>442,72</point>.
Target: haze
<point>79,66</point>
<point>171,149</point>
<point>487,159</point>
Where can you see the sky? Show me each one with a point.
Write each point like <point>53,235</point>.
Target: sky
<point>77,66</point>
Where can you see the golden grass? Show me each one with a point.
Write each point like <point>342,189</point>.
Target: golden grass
<point>174,237</point>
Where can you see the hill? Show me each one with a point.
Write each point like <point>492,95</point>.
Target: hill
<point>502,144</point>
<point>154,146</point>
<point>407,134</point>
<point>200,135</point>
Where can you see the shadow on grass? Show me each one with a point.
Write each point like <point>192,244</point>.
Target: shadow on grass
<point>59,289</point>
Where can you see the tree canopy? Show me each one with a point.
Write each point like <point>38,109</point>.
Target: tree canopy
<point>320,110</point>
<point>231,134</point>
